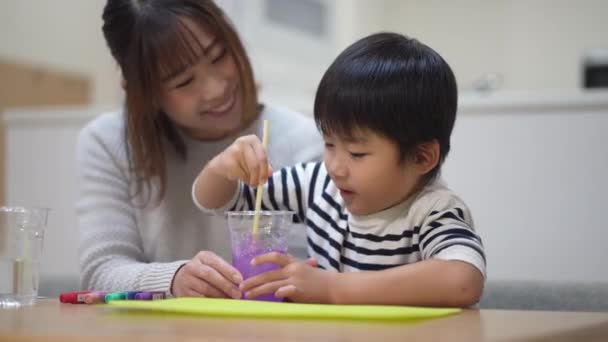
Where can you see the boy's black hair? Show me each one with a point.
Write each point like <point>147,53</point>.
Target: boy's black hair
<point>394,86</point>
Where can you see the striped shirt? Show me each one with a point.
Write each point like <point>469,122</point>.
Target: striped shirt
<point>433,224</point>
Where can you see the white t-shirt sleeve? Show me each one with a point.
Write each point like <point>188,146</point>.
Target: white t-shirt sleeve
<point>448,234</point>
<point>221,210</point>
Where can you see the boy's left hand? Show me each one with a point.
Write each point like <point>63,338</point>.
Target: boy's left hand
<point>299,282</point>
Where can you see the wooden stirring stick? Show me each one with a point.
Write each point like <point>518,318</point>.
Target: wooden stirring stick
<point>258,195</point>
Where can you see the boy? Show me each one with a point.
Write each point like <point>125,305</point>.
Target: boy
<point>381,225</point>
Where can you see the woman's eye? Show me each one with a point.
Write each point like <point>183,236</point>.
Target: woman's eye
<point>185,83</point>
<point>218,55</point>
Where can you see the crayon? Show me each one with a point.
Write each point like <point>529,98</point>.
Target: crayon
<point>73,297</point>
<point>115,296</point>
<point>150,295</point>
<point>130,295</point>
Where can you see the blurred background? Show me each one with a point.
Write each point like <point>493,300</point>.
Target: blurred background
<point>529,154</point>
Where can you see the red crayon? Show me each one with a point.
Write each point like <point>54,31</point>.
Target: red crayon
<point>73,297</point>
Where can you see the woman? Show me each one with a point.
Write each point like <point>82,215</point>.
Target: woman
<point>189,93</point>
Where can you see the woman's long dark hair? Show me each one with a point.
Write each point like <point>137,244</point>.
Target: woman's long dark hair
<point>148,39</point>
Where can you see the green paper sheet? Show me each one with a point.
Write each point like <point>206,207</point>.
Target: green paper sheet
<point>259,309</point>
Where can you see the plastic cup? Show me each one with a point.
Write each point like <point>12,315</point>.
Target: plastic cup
<point>21,239</point>
<point>272,236</point>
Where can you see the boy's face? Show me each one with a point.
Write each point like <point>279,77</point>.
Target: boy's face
<point>368,171</point>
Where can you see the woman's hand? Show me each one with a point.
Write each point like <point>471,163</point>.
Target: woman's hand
<point>296,281</point>
<point>207,275</point>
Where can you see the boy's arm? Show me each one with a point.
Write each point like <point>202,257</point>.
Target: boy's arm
<point>245,159</point>
<point>452,272</point>
<point>441,283</point>
<point>287,189</point>
<point>211,188</point>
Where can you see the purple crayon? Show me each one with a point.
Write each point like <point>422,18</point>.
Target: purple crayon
<point>149,295</point>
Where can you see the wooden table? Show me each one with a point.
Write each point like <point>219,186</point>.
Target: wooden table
<point>49,320</point>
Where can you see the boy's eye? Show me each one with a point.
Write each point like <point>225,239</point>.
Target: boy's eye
<point>357,155</point>
<point>329,145</point>
<point>185,83</point>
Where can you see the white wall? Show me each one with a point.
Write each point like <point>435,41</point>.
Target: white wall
<point>63,34</point>
<point>547,38</point>
<point>535,44</point>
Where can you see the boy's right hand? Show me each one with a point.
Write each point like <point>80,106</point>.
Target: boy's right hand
<point>207,275</point>
<point>245,160</point>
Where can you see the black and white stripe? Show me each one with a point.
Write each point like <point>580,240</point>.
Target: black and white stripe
<point>428,228</point>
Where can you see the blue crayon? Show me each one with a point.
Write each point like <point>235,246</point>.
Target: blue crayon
<point>130,295</point>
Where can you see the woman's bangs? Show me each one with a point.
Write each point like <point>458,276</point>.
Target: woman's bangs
<point>175,50</point>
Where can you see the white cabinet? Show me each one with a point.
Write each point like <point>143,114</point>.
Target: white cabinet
<point>41,172</point>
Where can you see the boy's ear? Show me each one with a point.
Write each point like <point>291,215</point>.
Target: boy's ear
<point>427,157</point>
<point>123,84</point>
